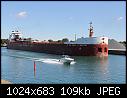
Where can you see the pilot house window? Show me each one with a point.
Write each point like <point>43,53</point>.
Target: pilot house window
<point>99,49</point>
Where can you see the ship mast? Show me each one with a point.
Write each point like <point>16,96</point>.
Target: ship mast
<point>90,30</point>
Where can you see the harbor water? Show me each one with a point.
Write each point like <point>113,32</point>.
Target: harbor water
<point>18,67</point>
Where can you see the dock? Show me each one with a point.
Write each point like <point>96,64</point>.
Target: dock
<point>5,82</point>
<point>117,51</point>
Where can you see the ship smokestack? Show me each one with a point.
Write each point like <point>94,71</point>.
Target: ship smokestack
<point>90,30</point>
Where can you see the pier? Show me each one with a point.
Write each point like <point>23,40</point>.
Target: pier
<point>117,51</point>
<point>5,82</point>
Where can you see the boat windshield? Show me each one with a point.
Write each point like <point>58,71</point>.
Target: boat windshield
<point>65,56</point>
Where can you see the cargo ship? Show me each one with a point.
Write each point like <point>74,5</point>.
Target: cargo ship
<point>88,46</point>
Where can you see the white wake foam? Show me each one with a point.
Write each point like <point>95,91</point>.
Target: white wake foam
<point>44,60</point>
<point>51,61</point>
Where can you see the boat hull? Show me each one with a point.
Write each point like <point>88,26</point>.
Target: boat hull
<point>62,49</point>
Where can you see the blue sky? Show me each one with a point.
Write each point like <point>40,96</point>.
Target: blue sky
<point>55,20</point>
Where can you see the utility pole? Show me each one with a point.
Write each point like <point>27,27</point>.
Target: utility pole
<point>75,36</point>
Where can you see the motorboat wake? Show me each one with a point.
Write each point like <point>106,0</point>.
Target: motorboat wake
<point>64,60</point>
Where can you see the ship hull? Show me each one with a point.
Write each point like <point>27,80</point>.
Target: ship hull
<point>63,49</point>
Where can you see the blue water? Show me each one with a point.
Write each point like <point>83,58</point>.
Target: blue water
<point>18,67</point>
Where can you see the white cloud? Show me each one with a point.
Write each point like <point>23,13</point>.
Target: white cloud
<point>22,14</point>
<point>120,18</point>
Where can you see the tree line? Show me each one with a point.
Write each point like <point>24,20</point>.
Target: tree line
<point>4,41</point>
<point>123,42</point>
<point>63,40</point>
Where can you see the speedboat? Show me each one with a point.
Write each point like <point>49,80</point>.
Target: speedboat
<point>66,59</point>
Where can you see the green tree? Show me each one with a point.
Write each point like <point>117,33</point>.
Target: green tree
<point>50,40</point>
<point>59,41</point>
<point>4,41</point>
<point>65,40</point>
<point>123,42</point>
